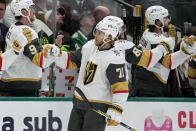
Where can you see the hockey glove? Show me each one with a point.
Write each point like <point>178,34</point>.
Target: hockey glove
<point>51,50</point>
<point>168,44</point>
<point>172,33</point>
<point>115,112</point>
<point>172,30</point>
<point>188,45</point>
<point>55,51</point>
<point>28,34</point>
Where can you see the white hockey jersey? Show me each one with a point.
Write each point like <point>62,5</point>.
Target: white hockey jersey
<point>102,75</point>
<point>26,70</point>
<point>161,69</point>
<point>133,54</point>
<point>7,58</point>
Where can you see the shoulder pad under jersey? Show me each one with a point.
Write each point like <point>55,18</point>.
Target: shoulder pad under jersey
<point>152,38</point>
<point>123,44</point>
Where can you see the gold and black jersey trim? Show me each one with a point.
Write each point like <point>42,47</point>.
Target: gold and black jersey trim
<point>145,58</point>
<point>75,59</point>
<point>194,56</point>
<point>20,83</point>
<point>116,108</point>
<point>20,79</point>
<point>90,100</point>
<point>116,73</point>
<point>163,81</point>
<point>38,59</point>
<point>191,72</point>
<point>120,87</point>
<point>166,62</point>
<point>90,72</point>
<point>138,56</point>
<point>34,52</point>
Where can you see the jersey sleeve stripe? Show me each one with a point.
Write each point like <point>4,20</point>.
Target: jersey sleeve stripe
<point>120,87</point>
<point>167,61</point>
<point>191,73</point>
<point>41,60</point>
<point>170,62</point>
<point>194,56</point>
<point>38,59</point>
<point>0,62</point>
<point>68,60</point>
<point>149,59</point>
<point>125,91</point>
<point>70,63</point>
<point>145,58</point>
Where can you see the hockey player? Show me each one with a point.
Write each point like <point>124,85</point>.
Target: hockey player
<point>153,55</point>
<point>149,57</point>
<point>102,78</point>
<point>97,58</point>
<point>23,78</point>
<point>152,81</point>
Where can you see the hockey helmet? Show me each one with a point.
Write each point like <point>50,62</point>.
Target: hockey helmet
<point>116,20</point>
<point>156,13</point>
<point>19,5</point>
<point>108,27</point>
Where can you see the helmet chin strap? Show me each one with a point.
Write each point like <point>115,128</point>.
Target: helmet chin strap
<point>160,27</point>
<point>104,42</point>
<point>28,17</point>
<point>30,22</point>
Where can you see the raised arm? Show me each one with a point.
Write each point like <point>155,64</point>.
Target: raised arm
<point>148,58</point>
<point>187,49</point>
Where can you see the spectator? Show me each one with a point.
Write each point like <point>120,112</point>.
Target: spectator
<point>70,24</point>
<point>45,34</point>
<point>40,9</point>
<point>79,6</point>
<point>64,27</point>
<point>3,28</point>
<point>99,13</point>
<point>86,25</point>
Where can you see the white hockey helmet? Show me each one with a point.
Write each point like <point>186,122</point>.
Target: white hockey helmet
<point>108,27</point>
<point>156,13</point>
<point>116,20</point>
<point>19,5</point>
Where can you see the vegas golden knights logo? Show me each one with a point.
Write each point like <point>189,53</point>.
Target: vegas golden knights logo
<point>89,73</point>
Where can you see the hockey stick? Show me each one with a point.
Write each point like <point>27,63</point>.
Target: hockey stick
<point>99,111</point>
<point>51,68</point>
